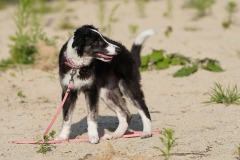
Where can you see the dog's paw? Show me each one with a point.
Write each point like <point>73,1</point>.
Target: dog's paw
<point>112,136</point>
<point>146,134</point>
<point>93,139</point>
<point>107,137</point>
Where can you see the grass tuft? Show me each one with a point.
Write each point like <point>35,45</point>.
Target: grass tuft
<point>45,146</point>
<point>168,141</point>
<point>27,35</point>
<point>169,9</point>
<point>158,60</point>
<point>231,8</point>
<point>238,151</point>
<point>203,7</point>
<point>226,96</point>
<point>141,5</point>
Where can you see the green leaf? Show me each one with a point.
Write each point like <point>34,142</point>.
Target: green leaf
<point>186,71</point>
<point>144,61</point>
<point>157,55</point>
<point>163,64</point>
<point>52,133</point>
<point>21,95</point>
<point>177,59</point>
<point>212,65</point>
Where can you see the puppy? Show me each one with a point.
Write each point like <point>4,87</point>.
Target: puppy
<point>104,69</point>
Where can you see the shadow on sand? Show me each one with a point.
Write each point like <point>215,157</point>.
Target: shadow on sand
<point>105,122</point>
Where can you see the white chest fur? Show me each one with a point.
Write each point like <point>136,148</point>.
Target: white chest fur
<point>71,54</point>
<point>78,83</point>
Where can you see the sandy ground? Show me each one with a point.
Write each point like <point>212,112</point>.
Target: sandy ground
<point>204,131</point>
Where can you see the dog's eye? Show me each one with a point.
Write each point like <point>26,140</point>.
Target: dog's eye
<point>98,42</point>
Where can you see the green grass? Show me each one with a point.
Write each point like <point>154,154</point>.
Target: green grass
<point>231,8</point>
<point>101,13</point>
<point>112,19</point>
<point>168,31</point>
<point>66,25</point>
<point>229,95</point>
<point>159,60</point>
<point>106,24</point>
<point>46,147</point>
<point>168,142</point>
<point>203,7</point>
<point>169,9</point>
<point>141,5</point>
<point>133,28</point>
<point>21,95</point>
<point>238,151</point>
<point>28,33</point>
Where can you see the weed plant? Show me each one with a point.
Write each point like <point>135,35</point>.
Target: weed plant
<point>133,28</point>
<point>21,95</point>
<point>66,25</point>
<point>231,8</point>
<point>168,142</point>
<point>45,147</point>
<point>169,9</point>
<point>168,31</point>
<point>141,5</point>
<point>101,13</point>
<point>23,48</point>
<point>159,60</point>
<point>102,17</point>
<point>238,151</point>
<point>226,96</point>
<point>202,6</point>
<point>112,19</point>
<point>28,33</point>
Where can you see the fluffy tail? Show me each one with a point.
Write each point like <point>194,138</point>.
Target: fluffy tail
<point>137,45</point>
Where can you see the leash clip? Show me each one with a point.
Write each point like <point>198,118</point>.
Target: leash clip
<point>74,71</point>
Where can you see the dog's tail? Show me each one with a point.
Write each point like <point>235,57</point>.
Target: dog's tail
<point>137,45</point>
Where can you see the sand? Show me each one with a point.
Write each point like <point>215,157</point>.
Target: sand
<point>203,131</point>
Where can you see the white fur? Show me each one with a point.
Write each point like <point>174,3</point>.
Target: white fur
<point>92,131</point>
<point>78,83</point>
<point>123,125</point>
<point>121,129</point>
<point>103,94</point>
<point>73,56</point>
<point>142,37</point>
<point>110,44</point>
<point>111,50</point>
<point>66,128</point>
<point>147,129</point>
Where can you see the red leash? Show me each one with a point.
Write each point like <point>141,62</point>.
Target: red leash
<point>128,135</point>
<point>59,109</point>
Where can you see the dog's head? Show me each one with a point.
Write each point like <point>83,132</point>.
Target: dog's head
<point>88,41</point>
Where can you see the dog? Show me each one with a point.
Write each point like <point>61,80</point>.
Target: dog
<point>105,70</point>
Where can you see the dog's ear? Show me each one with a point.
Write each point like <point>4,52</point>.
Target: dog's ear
<point>80,39</point>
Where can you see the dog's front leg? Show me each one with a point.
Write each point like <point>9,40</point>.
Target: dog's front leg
<point>67,114</point>
<point>92,98</point>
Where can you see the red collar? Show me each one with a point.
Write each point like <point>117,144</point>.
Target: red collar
<point>70,63</point>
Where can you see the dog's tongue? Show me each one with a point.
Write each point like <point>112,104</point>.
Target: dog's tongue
<point>104,56</point>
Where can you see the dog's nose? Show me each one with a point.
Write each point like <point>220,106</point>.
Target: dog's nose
<point>118,49</point>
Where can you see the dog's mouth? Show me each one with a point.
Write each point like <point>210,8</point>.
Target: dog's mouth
<point>104,56</point>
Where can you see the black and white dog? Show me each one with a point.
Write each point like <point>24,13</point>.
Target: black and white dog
<point>106,70</point>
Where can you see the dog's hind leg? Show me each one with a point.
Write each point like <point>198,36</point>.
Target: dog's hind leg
<point>114,100</point>
<point>67,114</point>
<point>92,98</point>
<point>135,94</point>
